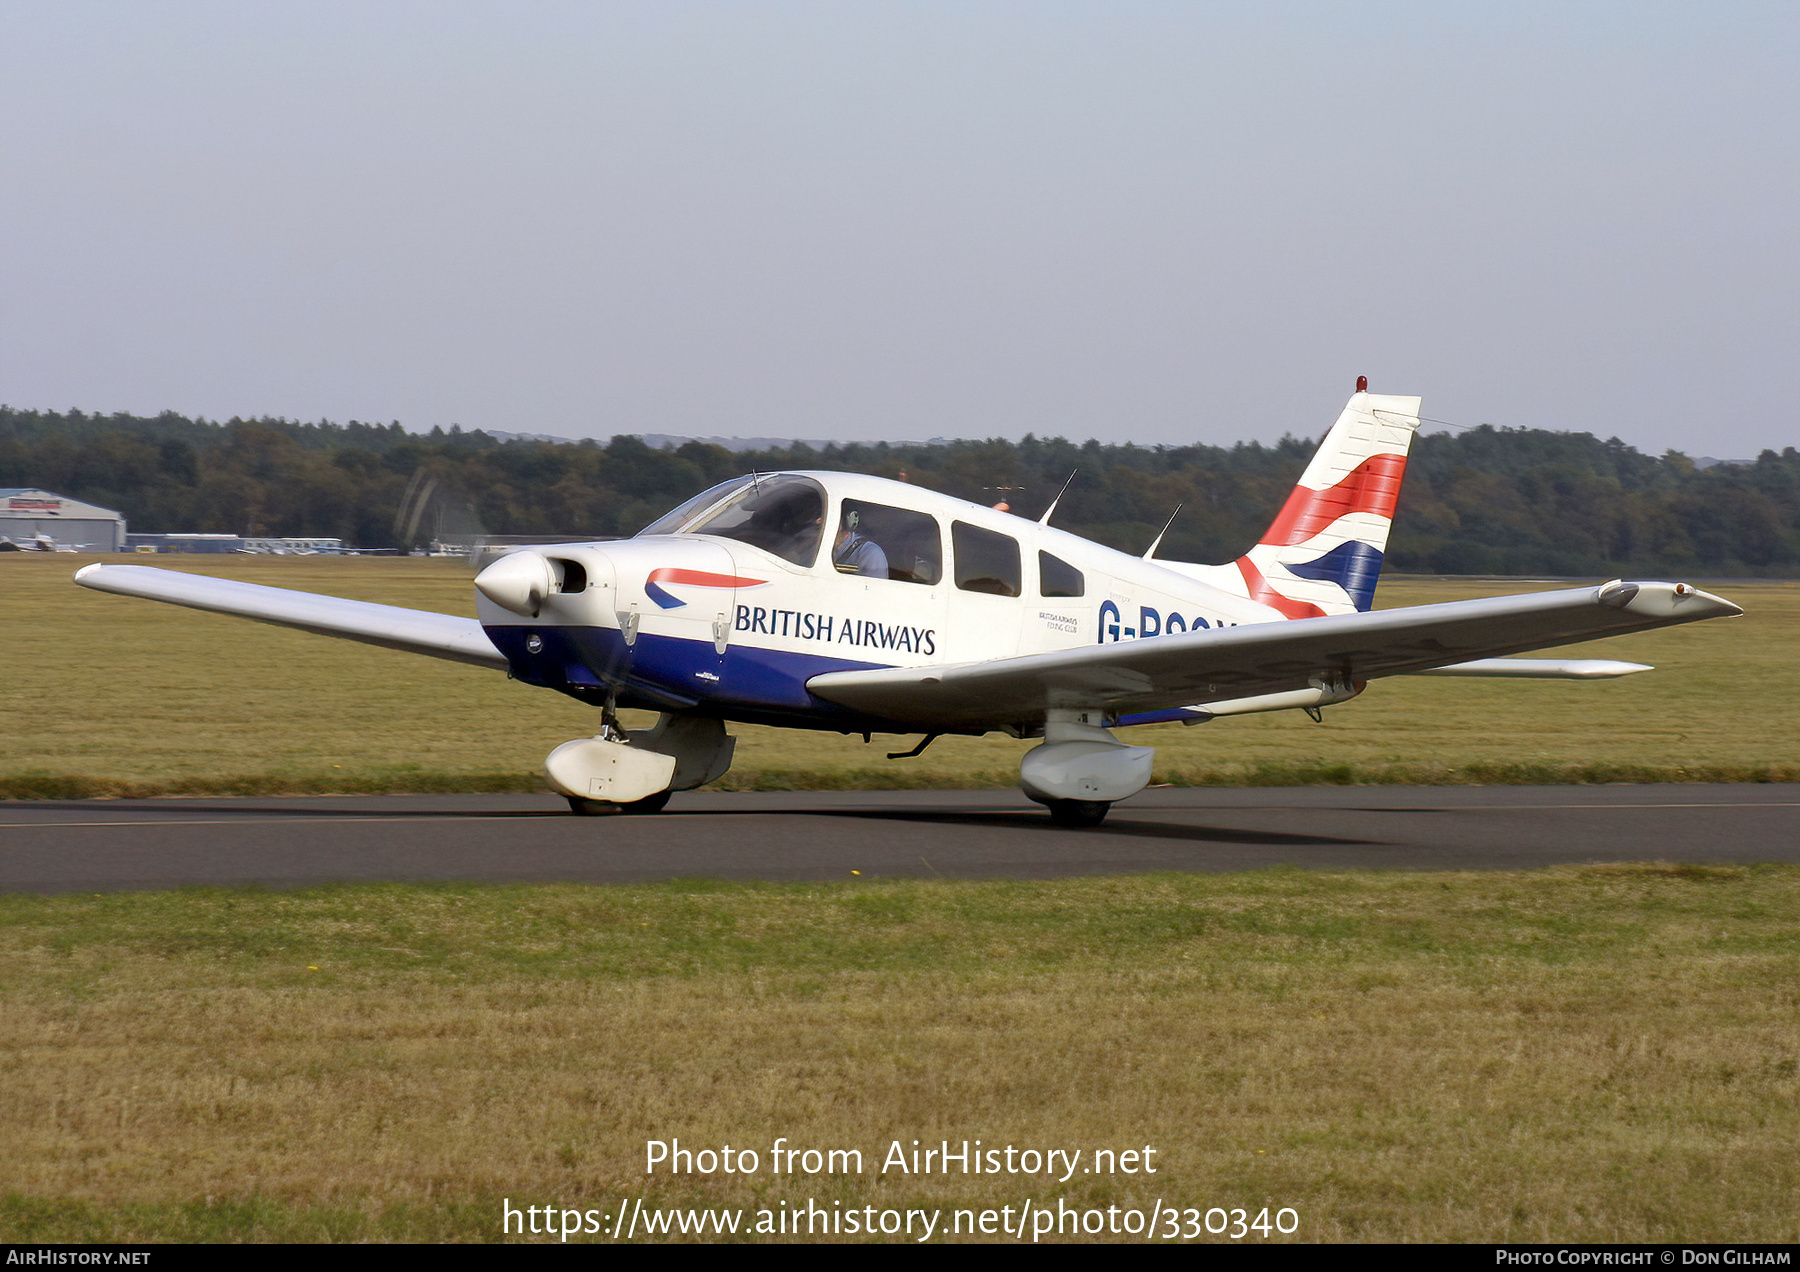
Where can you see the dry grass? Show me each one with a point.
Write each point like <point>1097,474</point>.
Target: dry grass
<point>1599,1054</point>
<point>110,695</point>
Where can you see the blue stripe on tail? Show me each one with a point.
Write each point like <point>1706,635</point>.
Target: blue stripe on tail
<point>1353,565</point>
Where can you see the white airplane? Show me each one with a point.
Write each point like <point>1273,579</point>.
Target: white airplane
<point>849,603</point>
<point>36,543</point>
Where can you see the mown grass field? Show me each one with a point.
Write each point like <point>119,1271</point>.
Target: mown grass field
<point>1581,1054</point>
<point>111,695</point>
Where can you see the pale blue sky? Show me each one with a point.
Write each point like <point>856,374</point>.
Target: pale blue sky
<point>1153,222</point>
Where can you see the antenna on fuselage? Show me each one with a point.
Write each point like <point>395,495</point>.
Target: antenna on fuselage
<point>1157,543</point>
<point>1045,519</point>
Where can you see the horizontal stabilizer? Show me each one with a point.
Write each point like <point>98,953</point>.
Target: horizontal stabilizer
<point>415,631</point>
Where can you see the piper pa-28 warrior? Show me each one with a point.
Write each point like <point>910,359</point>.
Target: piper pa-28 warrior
<point>836,601</point>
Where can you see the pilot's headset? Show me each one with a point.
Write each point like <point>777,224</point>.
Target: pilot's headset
<point>852,519</point>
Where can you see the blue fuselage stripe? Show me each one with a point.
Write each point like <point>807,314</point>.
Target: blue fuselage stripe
<point>672,673</point>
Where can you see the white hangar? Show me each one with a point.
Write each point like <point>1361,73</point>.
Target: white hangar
<point>28,515</point>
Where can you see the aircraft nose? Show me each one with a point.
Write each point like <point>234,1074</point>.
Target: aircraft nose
<point>518,581</point>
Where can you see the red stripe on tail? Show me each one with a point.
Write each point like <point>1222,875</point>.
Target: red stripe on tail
<point>1374,486</point>
<point>1262,593</point>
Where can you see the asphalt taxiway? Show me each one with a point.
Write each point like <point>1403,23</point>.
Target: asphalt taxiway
<point>108,845</point>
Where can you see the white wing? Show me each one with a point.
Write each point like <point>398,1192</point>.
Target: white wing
<point>416,631</point>
<point>1234,663</point>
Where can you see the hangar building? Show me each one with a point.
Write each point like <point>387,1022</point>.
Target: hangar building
<point>26,513</point>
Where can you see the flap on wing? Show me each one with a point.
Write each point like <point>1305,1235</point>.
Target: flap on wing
<point>1191,669</point>
<point>415,631</point>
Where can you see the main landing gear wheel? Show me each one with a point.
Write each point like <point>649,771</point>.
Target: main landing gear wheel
<point>600,808</point>
<point>1077,813</point>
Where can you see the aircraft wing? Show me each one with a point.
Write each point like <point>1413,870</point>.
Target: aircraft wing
<point>415,631</point>
<point>1234,663</point>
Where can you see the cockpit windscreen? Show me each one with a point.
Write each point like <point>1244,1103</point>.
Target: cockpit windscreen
<point>783,514</point>
<point>681,520</point>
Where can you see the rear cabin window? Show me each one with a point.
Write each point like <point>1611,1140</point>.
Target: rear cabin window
<point>986,561</point>
<point>1056,577</point>
<point>882,542</point>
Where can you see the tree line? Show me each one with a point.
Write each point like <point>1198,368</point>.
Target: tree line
<point>1481,501</point>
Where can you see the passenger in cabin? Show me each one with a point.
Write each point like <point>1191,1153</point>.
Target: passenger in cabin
<point>853,554</point>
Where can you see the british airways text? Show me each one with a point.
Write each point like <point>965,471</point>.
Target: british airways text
<point>861,632</point>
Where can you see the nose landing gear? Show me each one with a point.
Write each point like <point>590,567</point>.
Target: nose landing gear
<point>636,771</point>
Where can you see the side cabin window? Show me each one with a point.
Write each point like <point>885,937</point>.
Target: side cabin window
<point>887,543</point>
<point>1056,577</point>
<point>985,560</point>
<point>784,515</point>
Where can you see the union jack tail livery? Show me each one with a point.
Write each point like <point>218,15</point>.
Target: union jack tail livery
<point>1323,553</point>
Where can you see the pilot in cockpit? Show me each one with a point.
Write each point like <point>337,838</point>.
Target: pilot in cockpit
<point>853,554</point>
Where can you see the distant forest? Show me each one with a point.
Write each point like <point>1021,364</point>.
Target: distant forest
<point>1482,501</point>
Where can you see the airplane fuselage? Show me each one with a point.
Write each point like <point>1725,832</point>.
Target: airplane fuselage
<point>694,622</point>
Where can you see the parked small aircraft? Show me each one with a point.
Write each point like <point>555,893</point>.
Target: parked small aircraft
<point>837,601</point>
<point>36,543</point>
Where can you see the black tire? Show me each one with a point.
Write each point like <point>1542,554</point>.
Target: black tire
<point>1078,813</point>
<point>601,808</point>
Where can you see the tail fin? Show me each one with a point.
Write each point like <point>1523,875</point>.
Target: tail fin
<point>1323,553</point>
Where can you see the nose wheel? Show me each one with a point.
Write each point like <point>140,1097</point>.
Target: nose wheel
<point>601,808</point>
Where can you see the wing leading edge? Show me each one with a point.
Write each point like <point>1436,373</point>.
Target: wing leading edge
<point>415,631</point>
<point>1237,663</point>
